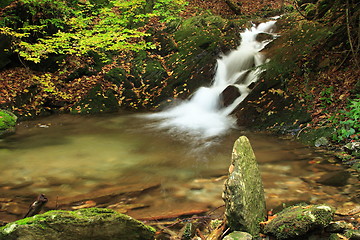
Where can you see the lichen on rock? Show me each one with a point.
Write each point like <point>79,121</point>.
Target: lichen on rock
<point>238,236</point>
<point>244,193</point>
<point>91,223</point>
<point>296,221</point>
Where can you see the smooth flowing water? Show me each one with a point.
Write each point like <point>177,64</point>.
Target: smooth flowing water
<point>202,115</point>
<point>72,159</point>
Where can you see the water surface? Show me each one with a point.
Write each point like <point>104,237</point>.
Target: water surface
<point>64,156</point>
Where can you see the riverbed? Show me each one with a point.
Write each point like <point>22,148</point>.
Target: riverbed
<point>122,161</point>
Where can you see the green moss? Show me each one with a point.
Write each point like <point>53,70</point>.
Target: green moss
<point>296,221</point>
<point>311,135</point>
<point>7,120</point>
<point>294,46</point>
<point>88,223</point>
<point>96,101</point>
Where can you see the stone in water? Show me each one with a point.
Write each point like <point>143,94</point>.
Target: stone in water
<point>244,193</point>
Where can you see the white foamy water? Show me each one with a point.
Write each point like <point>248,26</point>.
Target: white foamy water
<point>201,115</point>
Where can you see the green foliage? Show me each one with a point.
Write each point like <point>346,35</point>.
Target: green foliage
<point>348,126</point>
<point>326,96</point>
<point>168,9</point>
<point>76,28</point>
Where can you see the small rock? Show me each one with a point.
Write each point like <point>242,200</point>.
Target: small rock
<point>338,227</point>
<point>352,147</point>
<point>229,95</point>
<point>238,236</point>
<point>323,141</point>
<point>244,193</point>
<point>337,179</point>
<point>90,223</point>
<point>296,221</point>
<point>264,36</point>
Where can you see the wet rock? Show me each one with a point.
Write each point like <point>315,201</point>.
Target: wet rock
<point>238,236</point>
<point>264,37</point>
<point>228,96</point>
<point>323,141</point>
<point>244,193</point>
<point>336,179</point>
<point>91,223</point>
<point>338,227</point>
<point>296,221</point>
<point>352,147</point>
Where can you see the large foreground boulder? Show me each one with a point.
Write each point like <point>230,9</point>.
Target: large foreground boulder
<point>244,193</point>
<point>89,224</point>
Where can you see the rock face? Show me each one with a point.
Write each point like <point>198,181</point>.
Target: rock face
<point>293,222</point>
<point>244,192</point>
<point>91,223</point>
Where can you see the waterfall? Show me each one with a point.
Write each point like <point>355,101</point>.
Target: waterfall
<point>203,115</point>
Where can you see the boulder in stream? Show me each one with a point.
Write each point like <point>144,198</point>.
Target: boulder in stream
<point>7,122</point>
<point>296,221</point>
<point>244,192</point>
<point>87,223</point>
<point>229,95</point>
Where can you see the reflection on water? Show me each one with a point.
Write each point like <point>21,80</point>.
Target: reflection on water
<point>64,156</point>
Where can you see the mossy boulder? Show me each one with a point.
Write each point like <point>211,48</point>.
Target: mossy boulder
<point>7,122</point>
<point>296,221</point>
<point>96,101</point>
<point>244,193</point>
<point>91,223</point>
<point>313,136</point>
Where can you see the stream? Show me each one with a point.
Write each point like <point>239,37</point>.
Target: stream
<point>122,162</point>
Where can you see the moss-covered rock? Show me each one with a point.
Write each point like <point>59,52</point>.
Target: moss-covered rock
<point>91,223</point>
<point>312,136</point>
<point>296,221</point>
<point>244,193</point>
<point>238,236</point>
<point>96,101</point>
<point>7,122</point>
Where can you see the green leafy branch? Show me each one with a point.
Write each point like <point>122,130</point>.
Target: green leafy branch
<point>85,27</point>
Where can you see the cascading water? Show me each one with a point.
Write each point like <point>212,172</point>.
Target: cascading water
<point>202,115</point>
